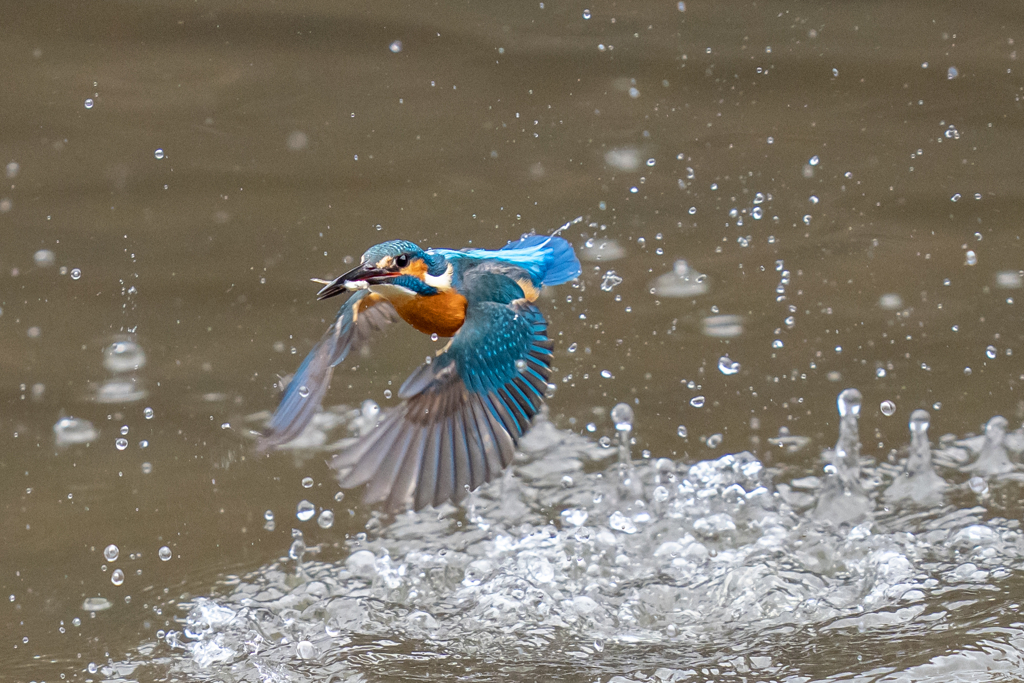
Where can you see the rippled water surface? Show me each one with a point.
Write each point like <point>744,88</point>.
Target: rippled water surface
<point>782,206</point>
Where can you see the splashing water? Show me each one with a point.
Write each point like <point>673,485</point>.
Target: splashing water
<point>993,459</point>
<point>681,282</point>
<point>919,482</point>
<point>74,430</point>
<point>123,356</point>
<point>651,570</point>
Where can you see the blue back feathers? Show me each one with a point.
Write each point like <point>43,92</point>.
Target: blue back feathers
<point>549,259</point>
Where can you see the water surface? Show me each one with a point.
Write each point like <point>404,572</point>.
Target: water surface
<point>842,181</point>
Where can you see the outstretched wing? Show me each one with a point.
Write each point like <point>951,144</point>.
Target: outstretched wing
<point>362,315</point>
<point>463,415</point>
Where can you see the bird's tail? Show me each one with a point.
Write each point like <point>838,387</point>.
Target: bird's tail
<point>558,257</point>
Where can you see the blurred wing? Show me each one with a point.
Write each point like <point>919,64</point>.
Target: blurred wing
<point>463,415</point>
<point>362,315</point>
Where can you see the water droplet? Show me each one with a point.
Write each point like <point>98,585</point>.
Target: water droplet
<point>890,302</point>
<point>697,401</point>
<point>919,420</point>
<point>339,496</point>
<point>880,372</point>
<point>952,73</point>
<point>777,344</point>
<point>297,549</point>
<point>651,161</point>
<point>117,577</point>
<point>307,482</point>
<point>575,516</point>
<point>610,281</point>
<point>44,258</point>
<point>573,347</point>
<point>971,258</point>
<point>887,408</point>
<point>978,485</point>
<point>159,154</point>
<point>955,197</point>
<point>660,494</point>
<point>814,161</point>
<point>990,351</point>
<point>121,444</point>
<point>304,391</point>
<point>433,337</point>
<point>387,393</point>
<point>89,103</point>
<point>727,366</point>
<point>395,46</point>
<point>74,430</point>
<point>757,213</point>
<point>849,402</point>
<point>94,605</point>
<point>586,14</point>
<point>164,553</point>
<point>606,374</point>
<point>148,413</point>
<point>305,511</point>
<point>620,522</point>
<point>567,482</point>
<point>681,431</point>
<point>714,440</point>
<point>622,416</point>
<point>681,6</point>
<point>123,356</point>
<point>111,552</point>
<point>305,650</point>
<point>75,273</point>
<point>325,520</point>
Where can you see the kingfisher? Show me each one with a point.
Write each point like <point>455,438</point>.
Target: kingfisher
<point>464,411</point>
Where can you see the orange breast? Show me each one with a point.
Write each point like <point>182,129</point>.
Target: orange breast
<point>441,314</point>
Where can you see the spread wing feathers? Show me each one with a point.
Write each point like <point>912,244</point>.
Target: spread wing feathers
<point>362,315</point>
<point>463,414</point>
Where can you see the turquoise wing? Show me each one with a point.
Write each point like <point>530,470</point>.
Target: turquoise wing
<point>463,413</point>
<point>361,316</point>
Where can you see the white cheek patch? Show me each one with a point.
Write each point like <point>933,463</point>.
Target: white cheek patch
<point>442,282</point>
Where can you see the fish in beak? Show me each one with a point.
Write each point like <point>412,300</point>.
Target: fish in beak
<point>360,277</point>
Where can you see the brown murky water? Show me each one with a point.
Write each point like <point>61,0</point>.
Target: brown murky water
<point>847,176</point>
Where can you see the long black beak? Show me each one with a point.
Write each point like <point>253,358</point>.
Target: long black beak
<point>357,278</point>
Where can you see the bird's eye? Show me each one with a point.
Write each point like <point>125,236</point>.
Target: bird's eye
<point>402,261</point>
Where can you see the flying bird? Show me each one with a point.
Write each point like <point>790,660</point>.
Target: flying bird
<point>465,410</point>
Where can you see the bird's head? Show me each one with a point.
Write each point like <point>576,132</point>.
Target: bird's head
<point>392,262</point>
